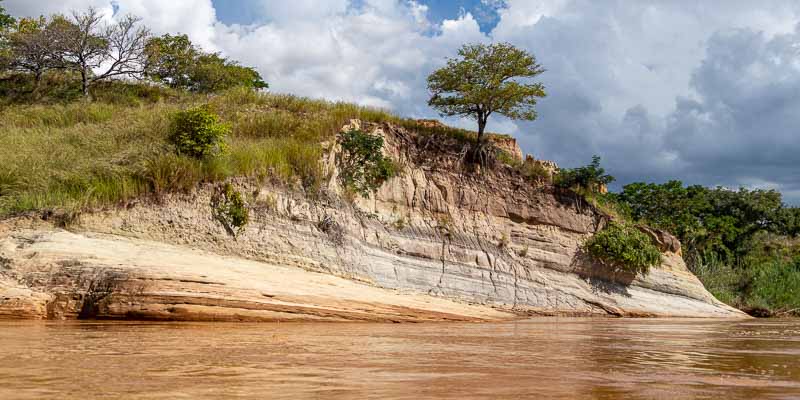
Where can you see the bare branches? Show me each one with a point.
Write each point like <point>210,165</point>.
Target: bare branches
<point>126,48</point>
<point>86,43</point>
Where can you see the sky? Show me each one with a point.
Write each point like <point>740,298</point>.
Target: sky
<point>707,92</point>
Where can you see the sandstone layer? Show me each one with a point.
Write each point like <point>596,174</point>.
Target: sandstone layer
<point>435,243</point>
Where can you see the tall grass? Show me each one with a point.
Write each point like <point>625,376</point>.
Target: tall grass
<point>56,116</point>
<point>76,154</point>
<point>765,281</point>
<point>81,154</point>
<point>64,87</point>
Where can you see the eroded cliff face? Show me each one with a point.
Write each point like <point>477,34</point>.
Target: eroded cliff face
<point>435,243</point>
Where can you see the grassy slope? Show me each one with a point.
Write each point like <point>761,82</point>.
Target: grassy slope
<point>67,155</point>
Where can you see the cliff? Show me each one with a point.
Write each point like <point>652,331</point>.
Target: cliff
<point>437,242</point>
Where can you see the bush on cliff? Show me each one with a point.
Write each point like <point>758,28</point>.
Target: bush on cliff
<point>228,207</point>
<point>591,177</point>
<point>624,248</point>
<point>363,168</point>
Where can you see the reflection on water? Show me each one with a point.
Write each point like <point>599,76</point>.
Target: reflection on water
<point>540,358</point>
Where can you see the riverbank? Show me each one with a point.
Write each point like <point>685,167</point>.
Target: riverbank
<point>431,244</point>
<point>101,182</point>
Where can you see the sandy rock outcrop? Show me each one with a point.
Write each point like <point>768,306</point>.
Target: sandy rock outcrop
<point>434,243</point>
<point>63,275</point>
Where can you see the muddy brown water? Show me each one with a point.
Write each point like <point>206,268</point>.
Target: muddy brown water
<point>539,358</point>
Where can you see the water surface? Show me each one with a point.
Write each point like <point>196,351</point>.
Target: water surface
<point>540,358</point>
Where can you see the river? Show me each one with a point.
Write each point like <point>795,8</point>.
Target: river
<point>538,358</point>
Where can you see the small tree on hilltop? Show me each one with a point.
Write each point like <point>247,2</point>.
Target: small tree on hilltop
<point>482,81</point>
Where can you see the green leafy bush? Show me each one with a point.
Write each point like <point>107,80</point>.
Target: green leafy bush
<point>197,132</point>
<point>228,207</point>
<point>624,248</point>
<point>363,168</point>
<point>536,171</point>
<point>590,177</point>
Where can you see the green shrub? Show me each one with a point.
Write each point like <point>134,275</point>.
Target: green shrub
<point>228,207</point>
<point>508,159</point>
<point>590,177</point>
<point>363,168</point>
<point>197,132</point>
<point>536,171</point>
<point>624,248</point>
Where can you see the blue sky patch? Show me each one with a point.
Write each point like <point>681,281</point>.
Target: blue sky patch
<point>246,12</point>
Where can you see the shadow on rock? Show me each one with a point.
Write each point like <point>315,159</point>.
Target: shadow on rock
<point>603,278</point>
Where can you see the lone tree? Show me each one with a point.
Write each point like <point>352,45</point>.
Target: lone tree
<point>483,80</point>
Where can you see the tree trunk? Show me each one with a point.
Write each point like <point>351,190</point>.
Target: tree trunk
<point>481,129</point>
<point>478,153</point>
<point>37,80</point>
<point>84,83</point>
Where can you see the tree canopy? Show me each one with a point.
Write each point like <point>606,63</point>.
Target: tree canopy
<point>743,244</point>
<point>86,44</point>
<point>717,220</point>
<point>484,80</point>
<point>176,62</point>
<point>6,20</point>
<point>29,47</point>
<point>93,50</point>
